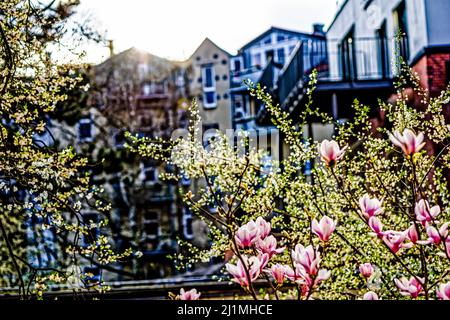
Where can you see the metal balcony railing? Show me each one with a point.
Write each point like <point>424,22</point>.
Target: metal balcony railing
<point>306,56</point>
<point>349,59</point>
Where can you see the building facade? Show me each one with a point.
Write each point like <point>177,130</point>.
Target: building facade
<point>365,42</point>
<point>209,84</point>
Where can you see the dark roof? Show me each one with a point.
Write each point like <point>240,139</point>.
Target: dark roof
<point>276,29</point>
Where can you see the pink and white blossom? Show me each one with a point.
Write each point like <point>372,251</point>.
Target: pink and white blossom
<point>424,213</point>
<point>435,236</point>
<point>366,270</point>
<point>292,274</point>
<point>411,287</point>
<point>408,141</point>
<point>370,295</point>
<point>322,276</point>
<point>412,234</point>
<point>278,273</point>
<point>324,228</point>
<point>263,260</point>
<point>370,206</point>
<point>308,258</point>
<point>247,234</point>
<point>269,246</point>
<point>253,265</point>
<point>443,291</point>
<point>376,226</point>
<point>189,295</point>
<point>264,227</point>
<point>396,240</point>
<point>330,152</point>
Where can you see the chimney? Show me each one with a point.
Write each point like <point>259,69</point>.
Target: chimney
<point>318,28</point>
<point>111,47</point>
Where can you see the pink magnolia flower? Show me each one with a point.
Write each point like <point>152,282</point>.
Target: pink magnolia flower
<point>435,236</point>
<point>366,270</point>
<point>247,234</point>
<point>443,291</point>
<point>292,274</point>
<point>370,207</point>
<point>263,260</point>
<point>408,141</point>
<point>370,295</point>
<point>278,272</point>
<point>376,225</point>
<point>307,258</point>
<point>424,213</point>
<point>395,241</point>
<point>322,276</point>
<point>269,246</point>
<point>264,227</point>
<point>324,228</point>
<point>330,152</point>
<point>301,276</point>
<point>189,295</point>
<point>410,287</point>
<point>412,234</point>
<point>238,271</point>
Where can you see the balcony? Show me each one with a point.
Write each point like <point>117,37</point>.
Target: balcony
<point>349,63</point>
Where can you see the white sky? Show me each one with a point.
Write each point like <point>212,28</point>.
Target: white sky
<point>174,28</point>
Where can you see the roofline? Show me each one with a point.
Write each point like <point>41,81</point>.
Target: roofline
<point>337,14</point>
<point>221,49</point>
<point>273,28</point>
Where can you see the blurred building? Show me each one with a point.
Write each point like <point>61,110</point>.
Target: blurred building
<point>146,95</point>
<point>364,43</point>
<point>209,84</point>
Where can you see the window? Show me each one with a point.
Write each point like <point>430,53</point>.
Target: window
<point>217,78</point>
<point>210,98</point>
<point>401,25</point>
<point>146,89</point>
<point>268,40</point>
<point>209,87</point>
<point>257,59</point>
<point>237,65</point>
<point>224,77</point>
<point>149,173</point>
<point>187,223</point>
<point>85,129</point>
<point>281,56</point>
<point>151,224</point>
<point>215,56</point>
<point>280,37</point>
<point>224,61</point>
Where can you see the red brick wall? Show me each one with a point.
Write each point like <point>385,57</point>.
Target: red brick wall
<point>437,74</point>
<point>432,72</point>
